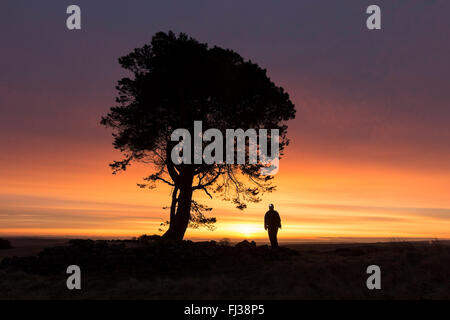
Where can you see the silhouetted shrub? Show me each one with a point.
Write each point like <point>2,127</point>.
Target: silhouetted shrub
<point>5,244</point>
<point>225,242</point>
<point>146,238</point>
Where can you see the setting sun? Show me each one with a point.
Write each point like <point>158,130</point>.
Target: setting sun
<point>247,230</point>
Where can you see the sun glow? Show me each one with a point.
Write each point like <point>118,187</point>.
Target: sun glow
<point>247,230</point>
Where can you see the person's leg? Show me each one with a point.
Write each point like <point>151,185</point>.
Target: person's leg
<point>273,237</point>
<point>270,236</point>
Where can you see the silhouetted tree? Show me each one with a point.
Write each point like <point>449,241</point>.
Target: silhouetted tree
<point>177,80</point>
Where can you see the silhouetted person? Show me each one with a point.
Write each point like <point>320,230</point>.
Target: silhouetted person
<point>272,222</point>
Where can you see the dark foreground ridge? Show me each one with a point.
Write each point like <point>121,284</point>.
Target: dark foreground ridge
<point>150,268</point>
<point>146,258</point>
<point>5,244</point>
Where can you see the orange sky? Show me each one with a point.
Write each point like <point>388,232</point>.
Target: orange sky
<point>71,191</point>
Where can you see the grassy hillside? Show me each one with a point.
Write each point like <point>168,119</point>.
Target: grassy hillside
<point>209,270</point>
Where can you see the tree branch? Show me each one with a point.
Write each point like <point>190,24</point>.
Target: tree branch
<point>210,182</point>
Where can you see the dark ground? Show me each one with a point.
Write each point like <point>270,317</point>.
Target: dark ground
<point>152,269</point>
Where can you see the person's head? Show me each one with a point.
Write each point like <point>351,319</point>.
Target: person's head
<point>271,206</point>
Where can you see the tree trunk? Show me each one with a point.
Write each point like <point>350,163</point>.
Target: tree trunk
<point>179,222</point>
<point>173,205</point>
